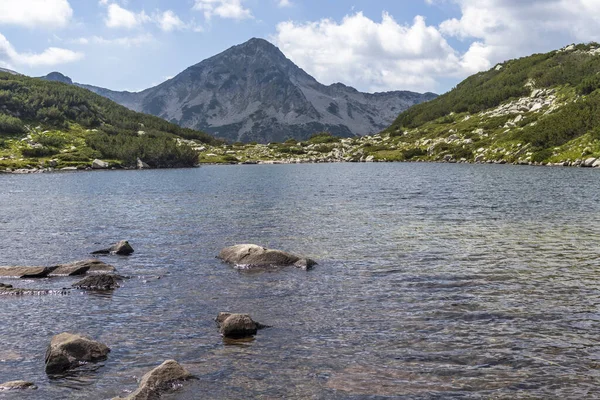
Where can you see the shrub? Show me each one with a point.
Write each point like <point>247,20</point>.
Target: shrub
<point>10,124</point>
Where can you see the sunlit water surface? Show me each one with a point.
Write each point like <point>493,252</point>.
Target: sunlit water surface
<point>434,280</point>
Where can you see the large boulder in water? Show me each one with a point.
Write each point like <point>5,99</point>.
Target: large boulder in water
<point>251,255</point>
<point>68,350</point>
<point>161,379</point>
<point>237,326</point>
<point>122,248</point>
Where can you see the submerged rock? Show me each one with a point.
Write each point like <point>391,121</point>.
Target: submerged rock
<point>26,272</point>
<point>91,266</point>
<point>98,282</point>
<point>251,255</point>
<point>16,385</point>
<point>68,350</point>
<point>161,379</point>
<point>122,248</point>
<point>237,326</point>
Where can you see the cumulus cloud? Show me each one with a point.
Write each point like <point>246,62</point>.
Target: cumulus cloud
<point>371,55</point>
<point>232,9</point>
<point>36,13</point>
<point>49,57</point>
<point>119,17</point>
<point>284,3</point>
<point>169,21</point>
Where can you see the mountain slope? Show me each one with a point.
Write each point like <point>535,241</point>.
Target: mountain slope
<point>252,92</point>
<point>541,108</point>
<point>42,120</point>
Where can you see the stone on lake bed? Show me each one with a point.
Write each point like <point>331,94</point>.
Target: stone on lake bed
<point>251,255</point>
<point>237,326</point>
<point>98,282</point>
<point>122,248</point>
<point>16,385</point>
<point>68,350</point>
<point>159,380</point>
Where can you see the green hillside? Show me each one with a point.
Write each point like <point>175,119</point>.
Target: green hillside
<point>541,108</point>
<point>46,124</point>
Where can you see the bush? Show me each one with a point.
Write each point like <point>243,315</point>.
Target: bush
<point>323,137</point>
<point>37,152</point>
<point>10,125</point>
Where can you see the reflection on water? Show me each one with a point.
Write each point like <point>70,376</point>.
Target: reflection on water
<point>434,280</point>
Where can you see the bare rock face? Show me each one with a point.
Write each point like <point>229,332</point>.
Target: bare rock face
<point>122,248</point>
<point>158,381</point>
<point>67,351</point>
<point>91,266</point>
<point>99,164</point>
<point>237,326</point>
<point>98,282</point>
<point>16,385</point>
<point>251,255</point>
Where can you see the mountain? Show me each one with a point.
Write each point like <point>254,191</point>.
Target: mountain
<point>9,71</point>
<point>252,92</point>
<point>541,108</point>
<point>43,120</point>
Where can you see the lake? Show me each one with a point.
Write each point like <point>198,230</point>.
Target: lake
<point>434,280</point>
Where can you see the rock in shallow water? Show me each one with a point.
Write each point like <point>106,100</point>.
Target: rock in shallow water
<point>68,350</point>
<point>91,266</point>
<point>98,282</point>
<point>26,272</point>
<point>122,248</point>
<point>251,255</point>
<point>237,326</point>
<point>16,385</point>
<point>161,379</point>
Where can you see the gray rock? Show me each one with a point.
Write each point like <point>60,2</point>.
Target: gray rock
<point>16,385</point>
<point>237,326</point>
<point>251,255</point>
<point>160,380</point>
<point>26,272</point>
<point>588,162</point>
<point>99,164</point>
<point>122,248</point>
<point>91,266</point>
<point>67,351</point>
<point>98,282</point>
<point>142,165</point>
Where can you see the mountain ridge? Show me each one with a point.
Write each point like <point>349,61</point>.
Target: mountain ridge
<point>253,92</point>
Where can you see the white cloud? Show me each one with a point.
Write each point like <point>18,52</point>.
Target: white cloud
<point>503,29</point>
<point>169,21</point>
<point>49,57</point>
<point>36,13</point>
<point>370,55</point>
<point>119,17</point>
<point>232,9</point>
<point>284,3</point>
<point>127,41</point>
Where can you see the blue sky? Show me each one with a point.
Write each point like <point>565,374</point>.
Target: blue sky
<point>376,45</point>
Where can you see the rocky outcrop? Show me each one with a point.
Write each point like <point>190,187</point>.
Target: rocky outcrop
<point>251,255</point>
<point>90,266</point>
<point>26,272</point>
<point>9,290</point>
<point>237,326</point>
<point>16,385</point>
<point>99,164</point>
<point>142,165</point>
<point>122,248</point>
<point>67,351</point>
<point>98,282</point>
<point>160,380</point>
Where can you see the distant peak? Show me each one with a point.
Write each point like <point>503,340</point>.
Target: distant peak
<point>258,42</point>
<point>58,77</point>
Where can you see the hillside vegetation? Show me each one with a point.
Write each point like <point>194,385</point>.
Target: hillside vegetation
<point>45,123</point>
<point>542,108</point>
